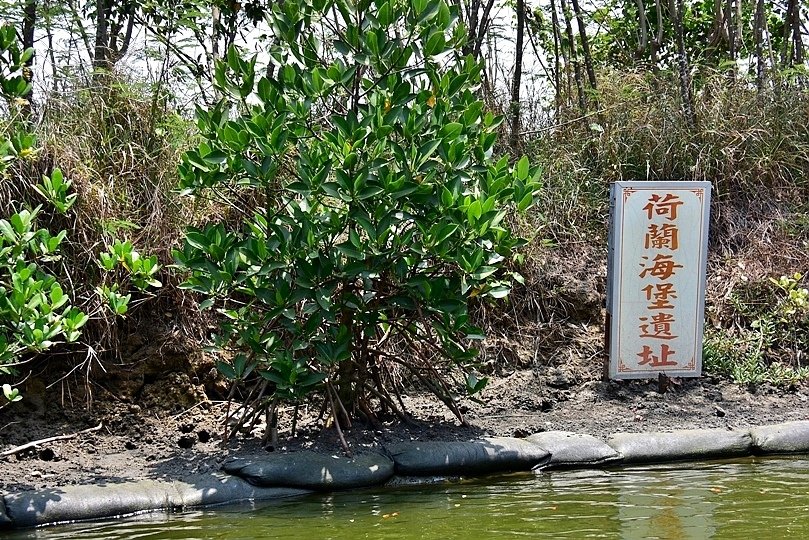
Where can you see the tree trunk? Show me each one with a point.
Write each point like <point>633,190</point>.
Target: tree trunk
<point>51,54</point>
<point>585,46</point>
<point>483,28</point>
<point>731,30</point>
<point>758,36</point>
<point>516,81</point>
<point>797,38</point>
<point>577,74</point>
<point>557,58</point>
<point>643,31</point>
<point>101,51</point>
<point>28,26</point>
<point>657,42</point>
<point>787,58</point>
<point>683,64</point>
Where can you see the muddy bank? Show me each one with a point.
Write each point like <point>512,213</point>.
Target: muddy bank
<point>164,443</point>
<point>263,475</point>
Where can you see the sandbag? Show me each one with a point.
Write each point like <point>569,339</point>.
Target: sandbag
<point>786,438</point>
<point>496,454</point>
<point>217,488</point>
<point>96,501</point>
<point>5,521</point>
<point>574,449</point>
<point>690,444</point>
<point>311,471</point>
<point>76,503</point>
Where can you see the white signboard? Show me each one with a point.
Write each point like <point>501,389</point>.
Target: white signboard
<point>656,278</point>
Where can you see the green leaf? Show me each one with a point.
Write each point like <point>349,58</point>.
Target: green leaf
<point>435,43</point>
<point>522,168</point>
<point>226,370</point>
<point>483,272</point>
<point>446,197</point>
<point>350,251</point>
<point>526,202</point>
<point>216,157</point>
<point>427,149</point>
<point>7,231</point>
<point>474,211</point>
<point>451,131</point>
<point>370,191</point>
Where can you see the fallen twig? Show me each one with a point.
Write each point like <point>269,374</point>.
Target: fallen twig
<point>32,444</point>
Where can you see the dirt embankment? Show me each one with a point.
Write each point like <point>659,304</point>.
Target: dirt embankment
<point>134,441</point>
<point>153,415</point>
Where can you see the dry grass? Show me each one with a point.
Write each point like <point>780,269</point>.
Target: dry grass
<point>752,147</point>
<point>119,144</point>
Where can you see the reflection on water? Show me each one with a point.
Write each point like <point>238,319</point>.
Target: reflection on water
<point>740,499</point>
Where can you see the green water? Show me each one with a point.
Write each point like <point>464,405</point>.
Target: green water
<point>751,499</point>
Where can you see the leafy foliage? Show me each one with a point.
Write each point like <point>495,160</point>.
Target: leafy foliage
<point>378,210</point>
<point>772,335</point>
<point>34,310</point>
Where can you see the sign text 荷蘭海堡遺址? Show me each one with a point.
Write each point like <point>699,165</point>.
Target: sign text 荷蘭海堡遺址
<point>658,250</point>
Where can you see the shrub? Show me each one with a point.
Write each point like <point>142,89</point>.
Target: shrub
<point>377,212</point>
<point>35,312</point>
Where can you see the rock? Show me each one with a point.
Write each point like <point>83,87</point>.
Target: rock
<point>574,450</point>
<point>786,438</point>
<point>690,444</point>
<point>310,470</point>
<point>560,379</point>
<point>496,454</point>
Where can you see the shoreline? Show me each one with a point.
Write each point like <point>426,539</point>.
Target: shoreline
<point>137,442</point>
<point>268,476</point>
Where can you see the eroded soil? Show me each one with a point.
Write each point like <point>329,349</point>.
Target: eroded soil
<point>166,437</point>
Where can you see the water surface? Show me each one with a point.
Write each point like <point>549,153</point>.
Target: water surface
<point>753,498</point>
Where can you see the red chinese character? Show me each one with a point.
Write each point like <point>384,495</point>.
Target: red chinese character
<point>646,357</point>
<point>662,268</point>
<point>662,236</point>
<point>665,206</point>
<point>659,328</point>
<point>661,293</point>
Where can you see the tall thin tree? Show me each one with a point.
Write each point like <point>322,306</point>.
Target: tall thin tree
<point>574,59</point>
<point>516,81</point>
<point>28,27</point>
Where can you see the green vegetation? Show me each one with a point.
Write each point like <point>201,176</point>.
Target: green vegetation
<point>345,212</point>
<point>379,208</point>
<point>35,313</point>
<point>769,337</point>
